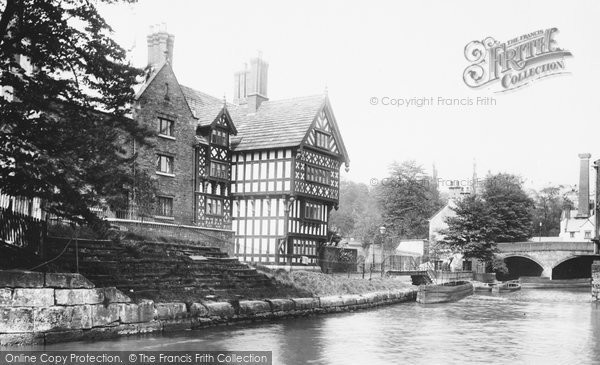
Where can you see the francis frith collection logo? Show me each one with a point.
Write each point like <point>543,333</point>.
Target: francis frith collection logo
<point>515,63</point>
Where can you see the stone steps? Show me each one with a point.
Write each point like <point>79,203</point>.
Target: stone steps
<point>163,270</point>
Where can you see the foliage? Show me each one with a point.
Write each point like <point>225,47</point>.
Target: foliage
<point>473,230</point>
<point>333,238</point>
<point>408,198</point>
<point>549,205</point>
<point>320,284</point>
<point>502,213</point>
<point>358,214</point>
<point>498,266</point>
<point>67,92</point>
<point>510,206</point>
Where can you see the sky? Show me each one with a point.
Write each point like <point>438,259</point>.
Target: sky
<point>362,50</point>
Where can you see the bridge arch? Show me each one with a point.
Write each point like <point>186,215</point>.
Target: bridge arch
<point>574,267</point>
<point>520,264</point>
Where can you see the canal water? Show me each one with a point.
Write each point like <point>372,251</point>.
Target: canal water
<point>525,327</point>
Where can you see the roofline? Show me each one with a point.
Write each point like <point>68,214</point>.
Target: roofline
<point>153,76</point>
<point>326,107</point>
<point>149,81</point>
<point>341,145</point>
<point>224,110</point>
<point>293,145</point>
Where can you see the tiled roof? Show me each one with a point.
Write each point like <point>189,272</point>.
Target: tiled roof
<point>201,140</point>
<point>204,107</point>
<point>277,123</point>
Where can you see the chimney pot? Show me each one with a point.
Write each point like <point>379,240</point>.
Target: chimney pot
<point>160,45</point>
<point>250,84</point>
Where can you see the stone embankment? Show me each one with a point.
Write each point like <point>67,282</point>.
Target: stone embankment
<point>596,281</point>
<point>44,308</point>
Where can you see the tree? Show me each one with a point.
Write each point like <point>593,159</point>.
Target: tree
<point>549,205</point>
<point>408,198</point>
<point>510,206</point>
<point>358,215</point>
<point>68,90</point>
<point>502,213</point>
<point>473,230</point>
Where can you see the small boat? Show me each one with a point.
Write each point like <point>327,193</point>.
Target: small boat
<point>506,286</point>
<point>482,287</point>
<point>513,285</point>
<point>446,292</point>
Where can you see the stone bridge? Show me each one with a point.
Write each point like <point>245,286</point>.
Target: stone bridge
<point>549,259</point>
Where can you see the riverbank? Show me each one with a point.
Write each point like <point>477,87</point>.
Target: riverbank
<point>40,309</point>
<point>319,284</point>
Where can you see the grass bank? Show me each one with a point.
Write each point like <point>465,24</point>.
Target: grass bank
<point>319,284</point>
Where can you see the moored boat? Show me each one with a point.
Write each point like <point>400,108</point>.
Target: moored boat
<point>446,292</point>
<point>506,286</point>
<point>482,287</point>
<point>513,285</point>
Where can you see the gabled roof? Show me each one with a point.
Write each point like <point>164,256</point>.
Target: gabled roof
<point>448,206</point>
<point>153,71</point>
<point>576,224</point>
<point>204,107</point>
<point>276,123</point>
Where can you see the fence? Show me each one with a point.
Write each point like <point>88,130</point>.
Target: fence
<point>337,260</point>
<point>21,230</point>
<point>25,206</point>
<point>21,239</point>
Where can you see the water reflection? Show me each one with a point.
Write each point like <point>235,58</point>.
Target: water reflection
<point>530,326</point>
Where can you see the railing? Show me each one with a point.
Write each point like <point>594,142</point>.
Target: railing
<point>132,213</point>
<point>21,230</point>
<point>546,246</point>
<point>17,204</point>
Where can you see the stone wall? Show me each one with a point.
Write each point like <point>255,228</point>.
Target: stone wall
<point>484,277</point>
<point>163,98</point>
<point>38,308</point>
<point>223,239</point>
<point>596,281</point>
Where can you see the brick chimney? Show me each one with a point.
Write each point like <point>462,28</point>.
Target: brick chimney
<point>250,84</point>
<point>160,45</point>
<point>583,206</point>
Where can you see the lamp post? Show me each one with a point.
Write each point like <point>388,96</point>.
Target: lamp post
<point>540,237</point>
<point>382,230</point>
<point>596,238</point>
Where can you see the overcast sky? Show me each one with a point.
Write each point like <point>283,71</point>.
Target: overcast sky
<point>397,49</point>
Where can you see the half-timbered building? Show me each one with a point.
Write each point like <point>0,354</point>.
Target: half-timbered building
<point>268,170</point>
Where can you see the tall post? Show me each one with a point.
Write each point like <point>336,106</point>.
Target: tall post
<point>597,210</point>
<point>382,230</point>
<point>373,264</point>
<point>382,256</point>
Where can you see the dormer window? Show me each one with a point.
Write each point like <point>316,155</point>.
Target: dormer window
<point>322,139</point>
<point>219,137</point>
<point>165,127</point>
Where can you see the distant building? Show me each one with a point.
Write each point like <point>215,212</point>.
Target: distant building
<point>437,222</point>
<point>579,224</point>
<point>439,257</point>
<point>406,255</point>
